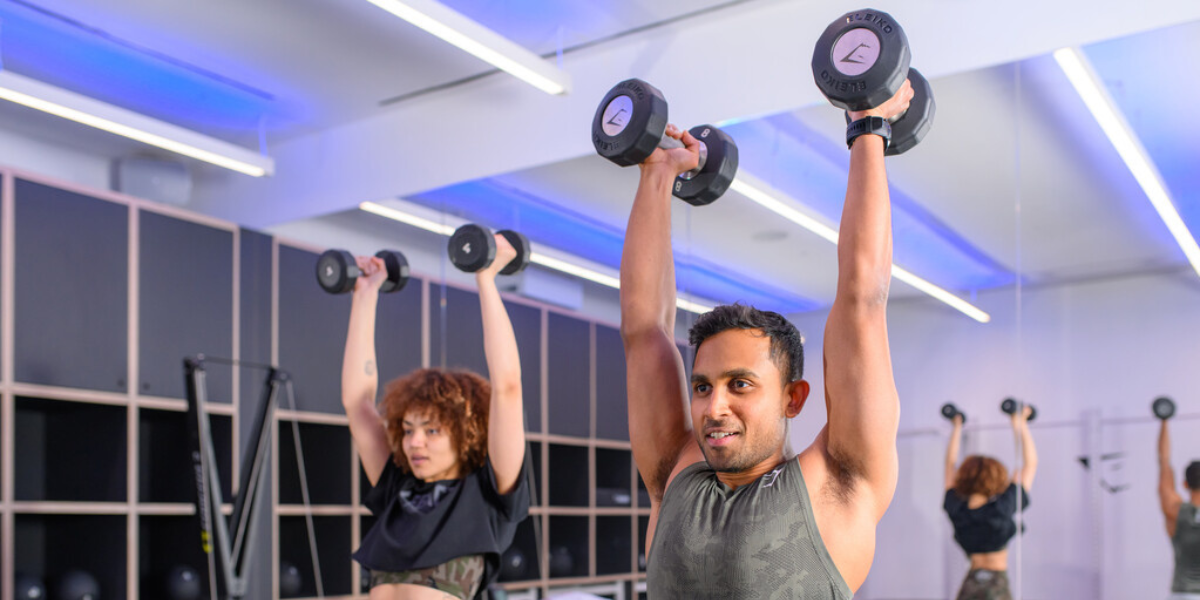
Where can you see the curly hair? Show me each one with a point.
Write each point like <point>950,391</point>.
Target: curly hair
<point>981,475</point>
<point>458,400</point>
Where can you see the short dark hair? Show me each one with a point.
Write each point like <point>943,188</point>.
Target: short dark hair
<point>787,345</point>
<point>1192,476</point>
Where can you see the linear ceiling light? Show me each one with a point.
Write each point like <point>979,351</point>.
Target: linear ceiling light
<point>546,257</point>
<point>774,201</point>
<point>483,43</point>
<point>113,119</point>
<point>1079,71</point>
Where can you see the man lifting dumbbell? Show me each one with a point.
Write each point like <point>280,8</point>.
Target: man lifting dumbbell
<point>812,517</point>
<point>1182,518</point>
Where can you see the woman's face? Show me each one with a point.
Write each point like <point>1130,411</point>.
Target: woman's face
<point>429,449</point>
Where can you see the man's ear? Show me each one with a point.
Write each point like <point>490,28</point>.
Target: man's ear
<point>797,395</point>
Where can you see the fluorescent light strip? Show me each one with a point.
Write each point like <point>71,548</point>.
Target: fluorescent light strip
<point>1079,71</point>
<point>756,191</point>
<point>485,44</point>
<point>113,119</point>
<point>554,259</point>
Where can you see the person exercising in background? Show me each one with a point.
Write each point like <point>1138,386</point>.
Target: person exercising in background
<point>445,457</point>
<point>1183,519</point>
<point>981,501</point>
<point>732,514</point>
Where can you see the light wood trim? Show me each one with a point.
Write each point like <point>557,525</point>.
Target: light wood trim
<point>66,394</point>
<point>319,510</point>
<point>303,416</point>
<point>8,245</point>
<point>54,507</point>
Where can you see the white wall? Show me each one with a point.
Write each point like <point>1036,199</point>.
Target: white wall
<point>1099,350</point>
<point>55,160</point>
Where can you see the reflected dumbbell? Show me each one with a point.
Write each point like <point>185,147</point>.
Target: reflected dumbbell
<point>28,587</point>
<point>290,580</point>
<point>631,123</point>
<point>337,271</point>
<point>949,411</point>
<point>1010,406</point>
<point>861,61</point>
<point>472,248</point>
<point>1163,407</point>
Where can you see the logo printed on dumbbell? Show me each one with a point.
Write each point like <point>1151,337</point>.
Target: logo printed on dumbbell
<point>870,18</point>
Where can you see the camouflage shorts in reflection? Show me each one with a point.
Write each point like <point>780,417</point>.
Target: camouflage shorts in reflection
<point>458,577</point>
<point>982,584</point>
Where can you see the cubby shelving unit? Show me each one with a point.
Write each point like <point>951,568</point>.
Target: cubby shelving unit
<point>101,297</point>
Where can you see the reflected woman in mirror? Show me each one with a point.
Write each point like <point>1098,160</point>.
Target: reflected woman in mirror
<point>981,501</point>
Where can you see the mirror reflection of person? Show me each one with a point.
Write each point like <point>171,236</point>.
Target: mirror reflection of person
<point>1182,519</point>
<point>981,501</point>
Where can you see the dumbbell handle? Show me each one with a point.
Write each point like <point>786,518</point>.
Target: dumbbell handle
<point>669,143</point>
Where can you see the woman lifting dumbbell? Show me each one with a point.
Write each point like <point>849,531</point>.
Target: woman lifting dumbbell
<point>445,449</point>
<point>981,501</point>
<point>1182,518</point>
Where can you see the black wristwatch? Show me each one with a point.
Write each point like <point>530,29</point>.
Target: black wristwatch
<point>874,125</point>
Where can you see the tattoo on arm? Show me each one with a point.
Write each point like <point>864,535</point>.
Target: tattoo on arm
<point>369,367</point>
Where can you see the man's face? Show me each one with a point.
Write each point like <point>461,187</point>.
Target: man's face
<point>429,449</point>
<point>740,404</point>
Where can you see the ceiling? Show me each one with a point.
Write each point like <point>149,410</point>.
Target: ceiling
<point>1016,181</point>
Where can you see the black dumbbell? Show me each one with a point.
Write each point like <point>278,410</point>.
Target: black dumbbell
<point>182,583</point>
<point>472,248</point>
<point>28,587</point>
<point>290,580</point>
<point>337,271</point>
<point>631,122</point>
<point>1163,407</point>
<point>861,61</point>
<point>1010,405</point>
<point>77,585</point>
<point>949,410</point>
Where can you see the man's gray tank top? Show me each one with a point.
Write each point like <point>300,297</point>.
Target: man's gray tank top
<point>1187,550</point>
<point>758,541</point>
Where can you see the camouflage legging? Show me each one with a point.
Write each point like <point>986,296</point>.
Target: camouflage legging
<point>458,577</point>
<point>982,584</point>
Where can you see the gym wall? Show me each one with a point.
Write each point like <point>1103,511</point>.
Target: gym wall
<point>104,295</point>
<point>1091,357</point>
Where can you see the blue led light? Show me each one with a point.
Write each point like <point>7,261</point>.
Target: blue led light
<point>69,55</point>
<point>501,207</point>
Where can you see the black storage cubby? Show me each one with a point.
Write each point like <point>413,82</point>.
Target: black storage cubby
<point>326,451</point>
<point>643,527</point>
<point>70,451</point>
<point>167,542</point>
<point>51,545</point>
<point>535,463</point>
<point>613,485</point>
<point>312,332</point>
<point>165,456</point>
<point>185,306</point>
<point>569,546</point>
<point>642,493</point>
<point>519,562</point>
<point>456,341</point>
<point>568,475</point>
<point>75,332</point>
<point>569,369</point>
<point>612,409</point>
<point>614,545</point>
<point>365,523</point>
<point>333,552</point>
